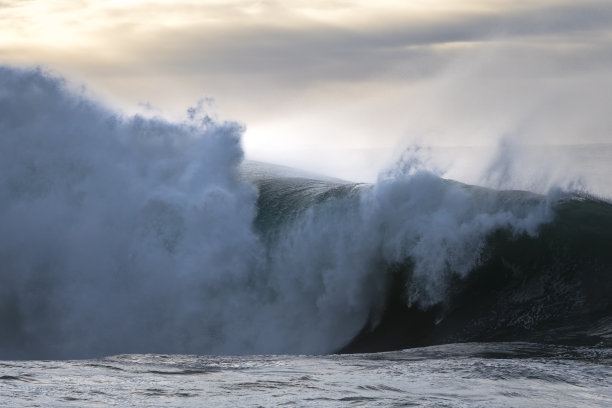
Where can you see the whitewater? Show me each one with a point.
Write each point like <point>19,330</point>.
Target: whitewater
<point>144,262</point>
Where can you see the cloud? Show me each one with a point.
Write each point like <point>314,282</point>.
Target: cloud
<point>342,73</point>
<point>273,41</point>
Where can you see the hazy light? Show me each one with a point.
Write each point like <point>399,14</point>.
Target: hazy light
<point>332,75</point>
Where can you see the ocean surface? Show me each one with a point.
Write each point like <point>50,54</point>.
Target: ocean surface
<point>453,375</point>
<point>146,263</point>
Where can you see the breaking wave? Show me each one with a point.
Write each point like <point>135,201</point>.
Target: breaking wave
<point>127,234</point>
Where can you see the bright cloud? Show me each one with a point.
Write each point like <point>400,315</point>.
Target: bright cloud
<point>340,74</point>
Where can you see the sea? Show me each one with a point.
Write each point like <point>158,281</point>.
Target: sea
<point>452,375</point>
<point>146,263</point>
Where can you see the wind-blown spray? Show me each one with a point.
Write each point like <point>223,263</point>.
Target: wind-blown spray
<point>126,234</point>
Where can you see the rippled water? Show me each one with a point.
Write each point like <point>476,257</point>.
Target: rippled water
<point>458,375</point>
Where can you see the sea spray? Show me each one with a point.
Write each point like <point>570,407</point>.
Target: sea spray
<point>127,234</point>
<point>118,233</point>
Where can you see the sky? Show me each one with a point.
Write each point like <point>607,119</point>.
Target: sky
<point>340,87</point>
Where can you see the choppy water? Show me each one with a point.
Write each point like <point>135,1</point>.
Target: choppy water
<point>455,375</point>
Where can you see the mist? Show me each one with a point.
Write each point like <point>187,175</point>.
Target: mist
<point>128,234</point>
<point>345,88</point>
<point>127,225</point>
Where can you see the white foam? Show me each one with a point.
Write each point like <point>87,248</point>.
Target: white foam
<point>133,234</point>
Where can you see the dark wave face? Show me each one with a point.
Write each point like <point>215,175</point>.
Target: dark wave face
<point>554,287</point>
<point>136,235</point>
<point>551,284</point>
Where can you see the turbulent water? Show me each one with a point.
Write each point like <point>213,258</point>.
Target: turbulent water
<point>134,236</point>
<point>457,375</point>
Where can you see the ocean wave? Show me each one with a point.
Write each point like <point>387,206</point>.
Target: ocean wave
<point>128,234</point>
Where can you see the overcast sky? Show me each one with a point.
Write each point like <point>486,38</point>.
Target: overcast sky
<point>337,85</point>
